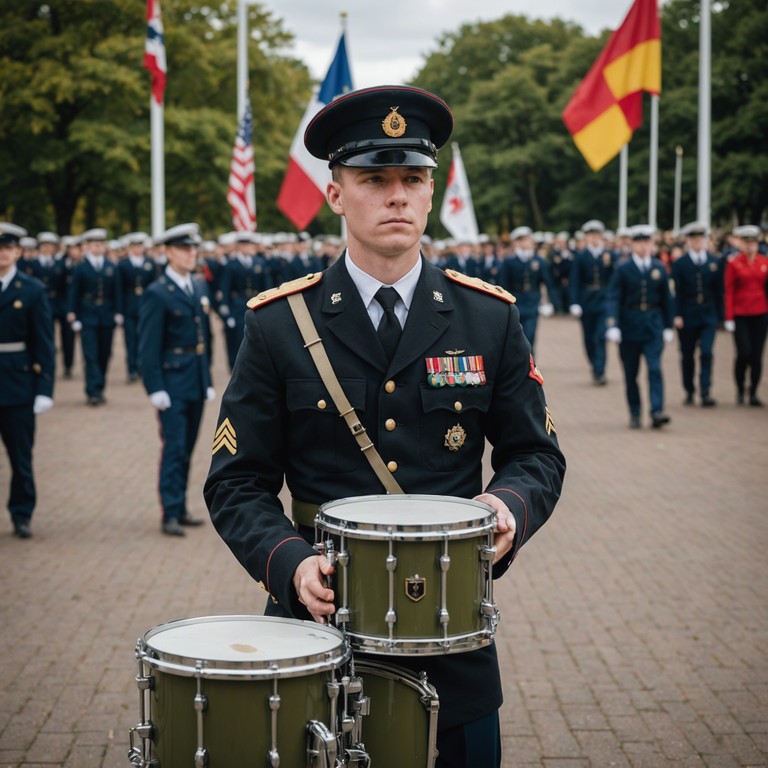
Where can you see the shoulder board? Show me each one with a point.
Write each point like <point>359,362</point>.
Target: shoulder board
<point>286,289</point>
<point>480,285</point>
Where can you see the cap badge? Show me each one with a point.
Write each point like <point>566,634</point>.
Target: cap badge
<point>335,298</point>
<point>437,296</point>
<point>394,125</point>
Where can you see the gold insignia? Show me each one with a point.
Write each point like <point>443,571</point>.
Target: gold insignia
<point>17,304</point>
<point>437,296</point>
<point>655,274</point>
<point>335,298</point>
<point>455,437</point>
<point>480,285</point>
<point>225,437</point>
<point>454,351</point>
<point>606,258</point>
<point>415,587</point>
<point>394,125</point>
<point>286,289</point>
<point>549,424</point>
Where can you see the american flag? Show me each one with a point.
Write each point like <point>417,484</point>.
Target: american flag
<point>154,50</point>
<point>241,195</point>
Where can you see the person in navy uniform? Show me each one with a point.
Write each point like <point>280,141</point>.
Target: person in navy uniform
<point>522,274</point>
<point>92,311</point>
<point>135,273</point>
<point>588,292</point>
<point>698,307</point>
<point>27,367</point>
<point>640,321</point>
<point>278,421</point>
<point>69,257</point>
<point>245,275</point>
<point>174,346</point>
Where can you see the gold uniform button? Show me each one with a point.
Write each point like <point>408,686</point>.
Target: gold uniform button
<point>392,466</point>
<point>390,425</point>
<point>457,405</point>
<point>322,405</point>
<point>390,386</point>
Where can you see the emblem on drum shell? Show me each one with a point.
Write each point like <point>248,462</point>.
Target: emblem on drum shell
<point>415,587</point>
<point>455,437</point>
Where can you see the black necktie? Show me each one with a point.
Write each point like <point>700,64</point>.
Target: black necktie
<point>389,330</point>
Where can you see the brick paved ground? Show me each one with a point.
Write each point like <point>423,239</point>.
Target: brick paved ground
<point>634,626</point>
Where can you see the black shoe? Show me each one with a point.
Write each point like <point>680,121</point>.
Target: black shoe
<point>190,521</point>
<point>755,401</point>
<point>688,399</point>
<point>68,373</point>
<point>599,380</point>
<point>659,419</point>
<point>101,400</point>
<point>173,528</point>
<point>707,401</point>
<point>740,398</point>
<point>22,530</point>
<point>93,400</point>
<point>133,377</point>
<point>634,422</point>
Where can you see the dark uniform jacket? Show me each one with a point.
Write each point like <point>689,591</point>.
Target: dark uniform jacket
<point>131,284</point>
<point>174,340</point>
<point>92,293</point>
<point>698,296</point>
<point>239,283</point>
<point>26,320</point>
<point>285,423</point>
<point>54,278</point>
<point>589,279</point>
<point>523,279</point>
<point>640,302</point>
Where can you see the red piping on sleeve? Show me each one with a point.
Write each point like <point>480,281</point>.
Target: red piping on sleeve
<point>269,559</point>
<point>525,509</point>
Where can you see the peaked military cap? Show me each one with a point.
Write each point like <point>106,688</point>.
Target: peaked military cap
<point>181,235</point>
<point>748,232</point>
<point>388,125</point>
<point>519,232</point>
<point>642,232</point>
<point>694,228</point>
<point>48,237</point>
<point>10,234</point>
<point>593,225</point>
<point>91,235</point>
<point>28,242</point>
<point>135,238</point>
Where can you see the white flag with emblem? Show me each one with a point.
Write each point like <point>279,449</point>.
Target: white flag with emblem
<point>457,214</point>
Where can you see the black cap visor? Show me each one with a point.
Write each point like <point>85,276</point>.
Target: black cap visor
<point>388,158</point>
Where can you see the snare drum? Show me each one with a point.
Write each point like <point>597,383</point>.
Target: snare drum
<point>413,573</point>
<point>233,691</point>
<point>402,727</point>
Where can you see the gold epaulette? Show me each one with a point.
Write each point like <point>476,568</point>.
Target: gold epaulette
<point>480,285</point>
<point>286,289</point>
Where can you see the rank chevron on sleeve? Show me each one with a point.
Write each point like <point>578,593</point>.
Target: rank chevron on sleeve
<point>225,437</point>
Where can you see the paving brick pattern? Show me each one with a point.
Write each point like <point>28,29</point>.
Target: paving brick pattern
<point>634,626</point>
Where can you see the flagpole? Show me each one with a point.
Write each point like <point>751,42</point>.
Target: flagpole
<point>623,176</point>
<point>242,56</point>
<point>157,130</point>
<point>342,219</point>
<point>654,167</point>
<point>703,207</point>
<point>678,187</point>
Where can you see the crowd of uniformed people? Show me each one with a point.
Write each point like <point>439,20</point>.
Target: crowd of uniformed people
<point>635,287</point>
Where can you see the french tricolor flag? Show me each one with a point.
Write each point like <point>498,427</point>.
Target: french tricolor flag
<point>154,50</point>
<point>303,190</point>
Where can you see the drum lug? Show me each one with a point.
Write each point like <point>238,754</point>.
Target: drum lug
<point>321,746</point>
<point>357,757</point>
<point>201,758</point>
<point>487,553</point>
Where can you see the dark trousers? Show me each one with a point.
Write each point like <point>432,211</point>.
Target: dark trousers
<point>750,341</point>
<point>131,332</point>
<point>179,426</point>
<point>529,323</point>
<point>471,745</point>
<point>690,337</point>
<point>67,337</point>
<point>631,352</point>
<point>97,349</point>
<point>593,326</point>
<point>17,429</point>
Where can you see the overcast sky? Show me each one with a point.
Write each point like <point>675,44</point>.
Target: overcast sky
<point>387,41</point>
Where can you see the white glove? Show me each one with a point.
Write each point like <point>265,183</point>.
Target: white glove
<point>576,310</point>
<point>230,322</point>
<point>729,325</point>
<point>42,404</point>
<point>161,400</point>
<point>668,335</point>
<point>210,394</point>
<point>119,319</point>
<point>613,334</point>
<point>546,310</point>
<point>77,326</point>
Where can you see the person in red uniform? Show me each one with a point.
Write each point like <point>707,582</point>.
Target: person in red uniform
<point>746,310</point>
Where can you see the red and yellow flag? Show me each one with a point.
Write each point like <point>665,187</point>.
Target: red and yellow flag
<point>608,104</point>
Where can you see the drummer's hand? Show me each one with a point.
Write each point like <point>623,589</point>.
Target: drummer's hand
<point>310,587</point>
<point>506,527</point>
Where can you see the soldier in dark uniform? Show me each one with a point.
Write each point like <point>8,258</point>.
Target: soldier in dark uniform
<point>69,257</point>
<point>698,302</point>
<point>135,273</point>
<point>92,311</point>
<point>27,363</point>
<point>174,344</point>
<point>591,272</point>
<point>640,320</point>
<point>245,275</point>
<point>523,274</point>
<point>279,422</point>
